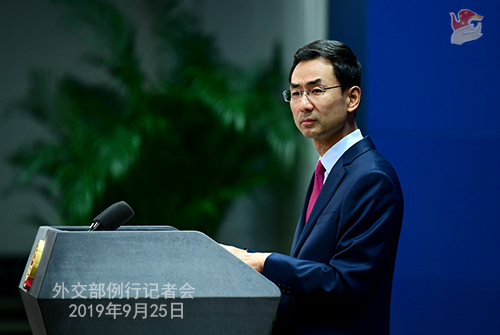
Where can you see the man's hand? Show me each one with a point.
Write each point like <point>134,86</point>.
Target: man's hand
<point>254,259</point>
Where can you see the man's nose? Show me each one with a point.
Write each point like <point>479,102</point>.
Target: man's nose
<point>305,102</point>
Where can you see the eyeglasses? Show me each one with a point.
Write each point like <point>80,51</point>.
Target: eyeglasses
<point>295,94</point>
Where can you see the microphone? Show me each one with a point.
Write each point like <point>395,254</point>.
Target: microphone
<point>113,217</point>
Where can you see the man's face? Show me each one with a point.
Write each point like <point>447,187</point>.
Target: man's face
<point>319,117</point>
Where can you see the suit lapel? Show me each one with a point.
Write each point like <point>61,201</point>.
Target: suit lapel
<point>332,183</point>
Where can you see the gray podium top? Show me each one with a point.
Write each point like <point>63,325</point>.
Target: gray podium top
<point>146,266</point>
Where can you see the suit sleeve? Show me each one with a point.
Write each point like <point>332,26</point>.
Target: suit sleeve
<point>370,218</point>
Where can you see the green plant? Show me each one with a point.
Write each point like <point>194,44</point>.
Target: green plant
<point>178,146</point>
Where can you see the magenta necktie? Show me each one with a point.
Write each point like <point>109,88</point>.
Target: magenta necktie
<point>318,184</point>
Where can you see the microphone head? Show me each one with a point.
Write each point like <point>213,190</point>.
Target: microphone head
<point>114,216</point>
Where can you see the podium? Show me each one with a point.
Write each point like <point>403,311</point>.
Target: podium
<point>142,280</point>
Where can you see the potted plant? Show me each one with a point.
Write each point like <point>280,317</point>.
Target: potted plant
<point>178,145</point>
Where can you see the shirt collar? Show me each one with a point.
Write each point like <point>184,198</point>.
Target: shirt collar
<point>337,150</point>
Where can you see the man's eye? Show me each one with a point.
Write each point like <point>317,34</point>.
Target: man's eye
<point>295,93</point>
<point>317,91</point>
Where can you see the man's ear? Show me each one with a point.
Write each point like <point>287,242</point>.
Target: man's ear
<point>353,98</point>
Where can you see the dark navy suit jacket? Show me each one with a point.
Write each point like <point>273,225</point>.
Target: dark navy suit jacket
<point>338,277</point>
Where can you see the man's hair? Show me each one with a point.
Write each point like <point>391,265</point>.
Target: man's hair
<point>346,66</point>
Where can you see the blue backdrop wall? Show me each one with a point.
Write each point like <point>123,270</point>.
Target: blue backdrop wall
<point>432,108</point>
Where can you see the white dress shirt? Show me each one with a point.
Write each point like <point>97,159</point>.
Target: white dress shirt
<point>337,150</point>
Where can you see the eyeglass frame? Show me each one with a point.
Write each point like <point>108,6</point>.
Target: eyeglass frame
<point>323,89</point>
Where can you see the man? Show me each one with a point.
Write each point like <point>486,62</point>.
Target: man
<point>338,277</point>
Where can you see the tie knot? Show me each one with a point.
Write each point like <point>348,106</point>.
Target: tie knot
<point>320,169</point>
